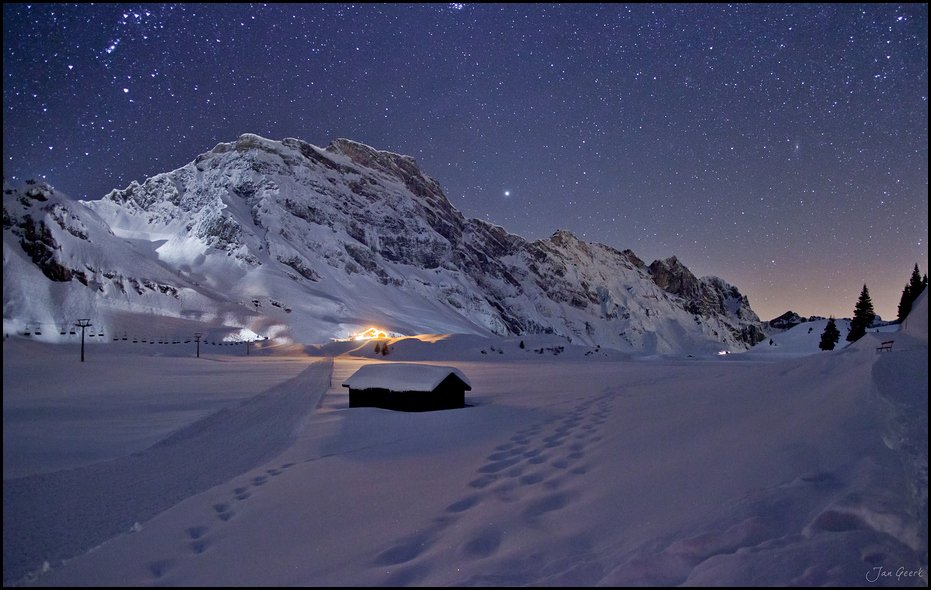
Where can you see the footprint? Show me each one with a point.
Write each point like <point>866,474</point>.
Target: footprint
<point>199,546</point>
<point>483,544</point>
<point>531,478</point>
<point>224,511</point>
<point>407,576</point>
<point>548,504</point>
<point>483,481</point>
<point>506,492</point>
<point>498,465</point>
<point>273,472</point>
<point>405,551</point>
<point>464,504</point>
<point>503,455</point>
<point>161,567</point>
<point>196,532</point>
<point>259,480</point>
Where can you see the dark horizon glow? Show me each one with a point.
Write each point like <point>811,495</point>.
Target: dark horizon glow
<point>783,148</point>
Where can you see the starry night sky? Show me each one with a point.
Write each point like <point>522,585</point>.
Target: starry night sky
<point>783,148</point>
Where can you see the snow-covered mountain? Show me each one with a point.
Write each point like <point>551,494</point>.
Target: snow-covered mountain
<point>291,241</point>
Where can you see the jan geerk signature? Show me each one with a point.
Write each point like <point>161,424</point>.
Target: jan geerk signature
<point>880,572</point>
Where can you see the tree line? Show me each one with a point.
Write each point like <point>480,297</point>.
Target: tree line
<point>863,314</point>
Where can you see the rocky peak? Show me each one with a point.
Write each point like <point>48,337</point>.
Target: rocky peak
<point>369,157</point>
<point>672,276</point>
<point>404,168</point>
<point>787,320</point>
<point>564,239</point>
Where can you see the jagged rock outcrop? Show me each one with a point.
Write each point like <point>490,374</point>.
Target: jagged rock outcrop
<point>350,236</point>
<point>708,296</point>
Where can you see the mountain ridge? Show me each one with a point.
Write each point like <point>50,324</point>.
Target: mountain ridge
<point>345,237</point>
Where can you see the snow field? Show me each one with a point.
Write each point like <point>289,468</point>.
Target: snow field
<point>564,471</point>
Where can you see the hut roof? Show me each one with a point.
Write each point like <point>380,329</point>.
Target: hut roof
<point>402,377</point>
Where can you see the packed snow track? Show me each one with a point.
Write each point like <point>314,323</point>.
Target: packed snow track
<point>55,516</point>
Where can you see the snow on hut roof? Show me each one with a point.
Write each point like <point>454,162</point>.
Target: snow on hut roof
<point>402,377</point>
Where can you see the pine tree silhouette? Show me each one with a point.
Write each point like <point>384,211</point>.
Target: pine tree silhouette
<point>830,336</point>
<point>863,316</point>
<point>911,292</point>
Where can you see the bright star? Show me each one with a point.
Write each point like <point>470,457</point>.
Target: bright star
<point>507,193</point>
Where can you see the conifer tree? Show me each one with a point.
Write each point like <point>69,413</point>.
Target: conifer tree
<point>830,337</point>
<point>911,292</point>
<point>863,316</point>
<point>905,304</point>
<point>915,283</point>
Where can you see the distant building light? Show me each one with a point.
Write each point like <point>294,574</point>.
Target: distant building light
<point>368,334</point>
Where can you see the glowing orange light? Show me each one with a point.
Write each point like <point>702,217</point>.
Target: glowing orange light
<point>369,334</point>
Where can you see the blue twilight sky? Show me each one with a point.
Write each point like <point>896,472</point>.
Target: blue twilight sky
<point>783,148</point>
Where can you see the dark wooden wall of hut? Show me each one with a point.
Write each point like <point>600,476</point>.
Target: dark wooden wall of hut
<point>449,394</point>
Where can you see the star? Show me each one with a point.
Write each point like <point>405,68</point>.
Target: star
<point>659,144</point>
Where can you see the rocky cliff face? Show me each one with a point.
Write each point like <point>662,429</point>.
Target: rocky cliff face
<point>709,296</point>
<point>309,243</point>
<point>61,262</point>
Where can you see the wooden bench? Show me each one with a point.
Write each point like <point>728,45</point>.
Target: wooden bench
<point>885,346</point>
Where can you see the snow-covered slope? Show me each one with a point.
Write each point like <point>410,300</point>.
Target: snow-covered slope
<point>291,241</point>
<point>566,470</point>
<point>61,263</point>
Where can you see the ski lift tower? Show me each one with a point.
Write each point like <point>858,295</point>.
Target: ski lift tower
<point>86,323</point>
<point>197,336</point>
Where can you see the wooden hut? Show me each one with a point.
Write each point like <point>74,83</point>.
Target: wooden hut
<point>408,387</point>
